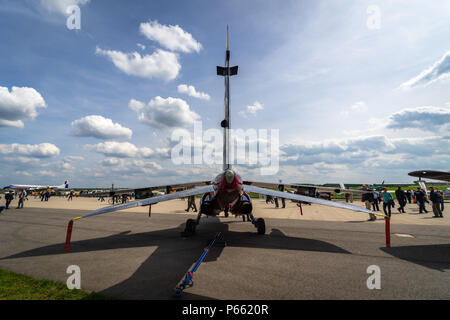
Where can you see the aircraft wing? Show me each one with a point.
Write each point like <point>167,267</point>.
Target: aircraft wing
<point>296,186</point>
<point>291,196</point>
<point>431,174</point>
<point>147,190</point>
<point>149,201</point>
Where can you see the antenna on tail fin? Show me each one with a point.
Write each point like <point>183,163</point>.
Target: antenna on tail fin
<point>225,124</point>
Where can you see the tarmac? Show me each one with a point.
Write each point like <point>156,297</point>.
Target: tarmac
<point>323,254</point>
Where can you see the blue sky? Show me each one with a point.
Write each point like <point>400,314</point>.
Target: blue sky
<point>352,102</point>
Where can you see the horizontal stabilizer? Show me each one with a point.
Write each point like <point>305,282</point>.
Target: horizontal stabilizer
<point>221,71</point>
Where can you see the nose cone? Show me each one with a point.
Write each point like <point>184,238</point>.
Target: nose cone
<point>229,176</point>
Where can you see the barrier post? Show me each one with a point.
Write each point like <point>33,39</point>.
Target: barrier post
<point>68,236</point>
<point>300,206</point>
<point>387,221</point>
<point>149,211</point>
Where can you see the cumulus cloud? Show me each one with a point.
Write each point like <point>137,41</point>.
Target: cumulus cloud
<point>438,71</point>
<point>71,159</point>
<point>18,105</point>
<point>100,127</point>
<point>170,37</point>
<point>160,64</point>
<point>252,109</point>
<point>114,149</point>
<point>112,162</point>
<point>163,113</point>
<point>365,151</point>
<point>190,91</point>
<point>61,6</point>
<point>425,118</point>
<point>43,150</point>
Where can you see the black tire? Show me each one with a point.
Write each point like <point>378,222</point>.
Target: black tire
<point>190,226</point>
<point>260,226</point>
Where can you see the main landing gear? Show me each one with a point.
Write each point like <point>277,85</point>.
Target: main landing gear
<point>259,224</point>
<point>191,225</point>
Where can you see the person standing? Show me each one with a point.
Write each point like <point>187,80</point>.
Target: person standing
<point>283,202</point>
<point>441,199</point>
<point>70,197</point>
<point>436,203</point>
<point>420,198</point>
<point>191,204</point>
<point>387,202</point>
<point>22,196</point>
<point>375,201</point>
<point>401,198</point>
<point>8,197</point>
<point>366,199</point>
<point>408,195</point>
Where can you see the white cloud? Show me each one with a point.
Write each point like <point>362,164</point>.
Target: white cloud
<point>428,118</point>
<point>140,45</point>
<point>359,106</point>
<point>190,90</point>
<point>252,109</point>
<point>19,104</point>
<point>61,6</point>
<point>112,162</point>
<point>47,173</point>
<point>160,64</point>
<point>438,71</point>
<point>170,37</point>
<point>114,149</point>
<point>71,159</point>
<point>100,127</point>
<point>164,113</point>
<point>43,150</point>
<point>23,173</point>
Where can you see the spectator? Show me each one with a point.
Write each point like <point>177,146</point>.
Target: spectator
<point>401,198</point>
<point>441,199</point>
<point>408,195</point>
<point>8,197</point>
<point>420,198</point>
<point>366,199</point>
<point>388,202</point>
<point>435,198</point>
<point>283,202</point>
<point>375,201</point>
<point>22,196</point>
<point>191,204</point>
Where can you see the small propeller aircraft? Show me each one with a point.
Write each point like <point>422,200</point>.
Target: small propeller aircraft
<point>228,192</point>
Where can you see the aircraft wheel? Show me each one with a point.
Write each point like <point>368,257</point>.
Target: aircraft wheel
<point>190,226</point>
<point>260,226</point>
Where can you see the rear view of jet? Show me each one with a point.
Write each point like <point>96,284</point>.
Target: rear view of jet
<point>226,72</point>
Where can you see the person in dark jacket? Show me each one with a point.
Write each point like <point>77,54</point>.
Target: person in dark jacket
<point>367,199</point>
<point>8,197</point>
<point>435,198</point>
<point>283,202</point>
<point>401,198</point>
<point>408,195</point>
<point>420,198</point>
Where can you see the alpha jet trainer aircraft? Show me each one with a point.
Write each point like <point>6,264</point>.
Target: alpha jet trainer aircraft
<point>227,192</point>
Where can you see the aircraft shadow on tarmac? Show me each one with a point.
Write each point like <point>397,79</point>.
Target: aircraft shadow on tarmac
<point>435,256</point>
<point>163,270</point>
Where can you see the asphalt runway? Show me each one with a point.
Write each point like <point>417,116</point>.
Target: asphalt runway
<point>131,256</point>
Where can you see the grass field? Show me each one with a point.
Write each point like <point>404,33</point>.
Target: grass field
<point>15,286</point>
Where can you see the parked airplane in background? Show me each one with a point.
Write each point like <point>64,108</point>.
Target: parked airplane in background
<point>434,175</point>
<point>228,192</point>
<point>36,187</point>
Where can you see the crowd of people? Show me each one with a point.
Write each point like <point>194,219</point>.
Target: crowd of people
<point>372,198</point>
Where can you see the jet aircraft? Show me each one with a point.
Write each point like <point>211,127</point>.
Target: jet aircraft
<point>228,192</point>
